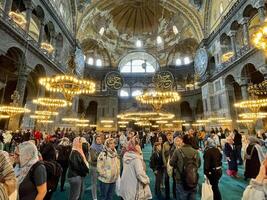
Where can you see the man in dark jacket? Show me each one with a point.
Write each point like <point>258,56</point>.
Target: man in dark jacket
<point>238,146</point>
<point>180,157</point>
<point>156,164</point>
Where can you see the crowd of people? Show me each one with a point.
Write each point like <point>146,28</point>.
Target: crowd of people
<point>34,164</point>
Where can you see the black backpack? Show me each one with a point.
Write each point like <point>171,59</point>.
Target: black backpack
<point>189,174</point>
<point>53,171</point>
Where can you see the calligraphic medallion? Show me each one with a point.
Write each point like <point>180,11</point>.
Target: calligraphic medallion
<point>114,80</point>
<point>163,80</point>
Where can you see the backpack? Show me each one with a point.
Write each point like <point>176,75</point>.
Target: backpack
<point>53,171</point>
<point>189,174</point>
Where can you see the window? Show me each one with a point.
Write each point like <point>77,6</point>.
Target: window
<point>138,62</point>
<point>137,66</point>
<point>186,60</point>
<point>178,62</point>
<point>90,61</point>
<point>137,92</point>
<point>98,62</point>
<point>124,93</point>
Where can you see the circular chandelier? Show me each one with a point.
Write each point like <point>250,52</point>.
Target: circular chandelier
<point>157,99</point>
<point>68,85</point>
<point>13,110</point>
<point>39,117</point>
<point>18,18</point>
<point>258,89</point>
<point>46,113</point>
<point>254,116</point>
<point>53,103</point>
<point>145,116</point>
<point>45,121</point>
<point>252,104</point>
<point>4,116</point>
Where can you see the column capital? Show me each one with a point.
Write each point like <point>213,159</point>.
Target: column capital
<point>232,33</point>
<point>259,4</point>
<point>244,20</point>
<point>28,4</point>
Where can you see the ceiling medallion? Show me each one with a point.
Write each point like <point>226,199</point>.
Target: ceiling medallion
<point>163,80</point>
<point>114,80</point>
<point>201,61</point>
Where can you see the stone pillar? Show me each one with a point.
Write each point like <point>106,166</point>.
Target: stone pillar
<point>262,14</point>
<point>29,9</point>
<point>7,6</point>
<point>244,23</point>
<point>21,83</point>
<point>232,35</point>
<point>244,89</point>
<point>41,33</point>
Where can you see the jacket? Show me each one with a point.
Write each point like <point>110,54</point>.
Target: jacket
<point>93,155</point>
<point>255,190</point>
<point>212,160</point>
<point>108,167</point>
<point>156,161</point>
<point>77,166</point>
<point>166,151</point>
<point>133,173</point>
<point>177,160</point>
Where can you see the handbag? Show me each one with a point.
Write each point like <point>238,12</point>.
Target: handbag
<point>207,193</point>
<point>143,192</point>
<point>249,156</point>
<point>118,185</point>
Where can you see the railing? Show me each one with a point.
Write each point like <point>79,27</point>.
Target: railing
<point>27,38</point>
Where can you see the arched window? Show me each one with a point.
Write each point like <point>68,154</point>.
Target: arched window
<point>138,62</point>
<point>124,92</point>
<point>137,92</point>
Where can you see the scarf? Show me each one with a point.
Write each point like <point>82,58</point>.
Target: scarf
<point>111,153</point>
<point>77,146</point>
<point>64,141</point>
<point>28,156</point>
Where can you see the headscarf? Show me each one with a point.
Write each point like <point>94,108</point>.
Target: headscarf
<point>7,137</point>
<point>111,153</point>
<point>77,146</point>
<point>28,156</point>
<point>256,142</point>
<point>210,143</point>
<point>97,147</point>
<point>131,145</point>
<point>64,141</point>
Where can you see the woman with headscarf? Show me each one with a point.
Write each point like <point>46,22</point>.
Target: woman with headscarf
<point>134,180</point>
<point>213,166</point>
<point>231,157</point>
<point>64,149</point>
<point>254,156</point>
<point>108,168</point>
<point>78,169</point>
<point>95,150</point>
<point>31,180</point>
<point>8,180</point>
<point>7,139</point>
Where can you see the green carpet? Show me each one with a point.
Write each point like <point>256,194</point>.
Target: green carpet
<point>231,188</point>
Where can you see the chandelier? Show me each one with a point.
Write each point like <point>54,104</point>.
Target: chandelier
<point>14,108</point>
<point>146,116</point>
<point>47,47</point>
<point>258,89</point>
<point>52,103</point>
<point>44,121</point>
<point>254,116</point>
<point>68,85</point>
<point>254,105</point>
<point>4,116</point>
<point>157,99</point>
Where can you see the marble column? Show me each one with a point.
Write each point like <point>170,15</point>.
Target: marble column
<point>41,33</point>
<point>262,13</point>
<point>22,83</point>
<point>244,23</point>
<point>232,35</point>
<point>244,89</point>
<point>53,43</point>
<point>29,9</point>
<point>7,6</point>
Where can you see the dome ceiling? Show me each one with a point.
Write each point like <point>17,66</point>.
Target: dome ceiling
<point>125,21</point>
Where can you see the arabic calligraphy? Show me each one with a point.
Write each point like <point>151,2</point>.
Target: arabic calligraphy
<point>114,80</point>
<point>163,80</point>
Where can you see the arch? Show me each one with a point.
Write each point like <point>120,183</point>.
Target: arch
<point>186,111</point>
<point>185,48</point>
<point>212,65</point>
<point>91,112</point>
<point>49,30</point>
<point>251,74</point>
<point>249,11</point>
<point>145,63</point>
